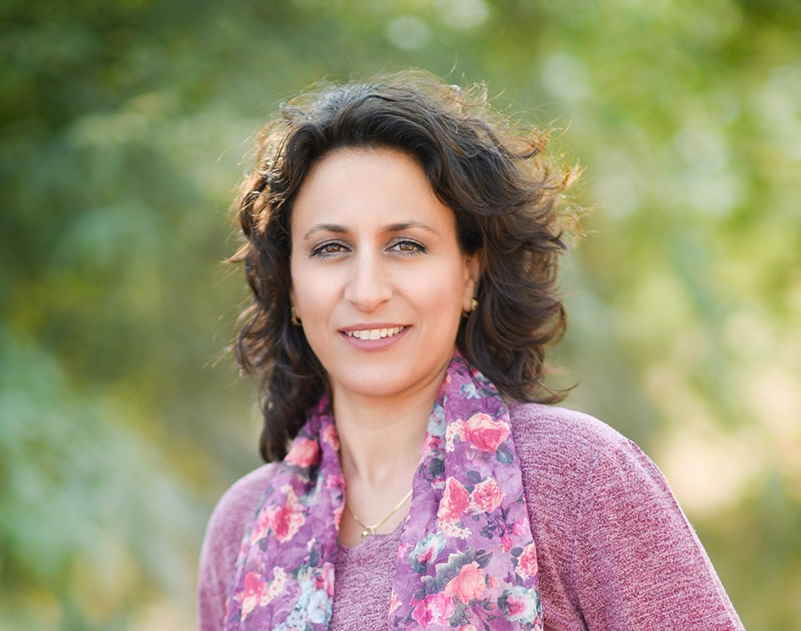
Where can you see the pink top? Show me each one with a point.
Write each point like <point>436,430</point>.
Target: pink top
<point>614,548</point>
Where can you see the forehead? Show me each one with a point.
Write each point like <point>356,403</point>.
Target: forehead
<point>363,187</point>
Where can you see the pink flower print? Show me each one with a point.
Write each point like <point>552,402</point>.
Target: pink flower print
<point>329,435</point>
<point>338,514</point>
<point>468,584</point>
<point>275,587</point>
<point>435,609</point>
<point>287,519</point>
<point>334,481</point>
<point>441,608</point>
<point>455,501</point>
<point>251,594</point>
<point>433,442</point>
<point>484,432</point>
<point>519,604</point>
<point>452,432</point>
<point>427,549</point>
<point>527,561</point>
<point>421,613</point>
<point>506,542</point>
<point>257,592</point>
<point>303,453</point>
<point>427,553</point>
<point>283,520</point>
<point>260,530</point>
<point>486,496</point>
<point>326,577</point>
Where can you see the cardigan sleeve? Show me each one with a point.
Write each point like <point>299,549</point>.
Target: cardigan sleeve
<point>637,562</point>
<point>221,543</point>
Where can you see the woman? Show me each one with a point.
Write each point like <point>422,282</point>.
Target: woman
<point>401,245</point>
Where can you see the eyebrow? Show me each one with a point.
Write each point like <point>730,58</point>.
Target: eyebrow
<point>393,227</point>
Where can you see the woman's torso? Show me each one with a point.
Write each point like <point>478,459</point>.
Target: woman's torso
<point>614,549</point>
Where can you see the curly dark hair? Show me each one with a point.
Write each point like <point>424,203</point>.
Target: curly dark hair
<point>501,188</point>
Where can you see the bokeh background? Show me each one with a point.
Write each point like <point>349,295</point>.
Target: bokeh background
<point>126,128</point>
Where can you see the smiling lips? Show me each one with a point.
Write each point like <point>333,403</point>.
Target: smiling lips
<point>374,336</point>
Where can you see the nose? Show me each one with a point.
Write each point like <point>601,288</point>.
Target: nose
<point>368,285</point>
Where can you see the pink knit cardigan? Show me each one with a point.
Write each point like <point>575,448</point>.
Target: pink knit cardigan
<point>615,550</point>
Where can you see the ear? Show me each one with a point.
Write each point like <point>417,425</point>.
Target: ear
<point>472,276</point>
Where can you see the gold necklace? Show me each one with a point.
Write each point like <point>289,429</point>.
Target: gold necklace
<point>370,530</point>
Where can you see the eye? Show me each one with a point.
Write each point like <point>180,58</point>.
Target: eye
<point>405,247</point>
<point>408,247</point>
<point>328,249</point>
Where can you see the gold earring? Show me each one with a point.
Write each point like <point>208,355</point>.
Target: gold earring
<point>473,307</point>
<point>294,318</point>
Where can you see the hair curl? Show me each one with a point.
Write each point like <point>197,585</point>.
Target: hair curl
<point>497,181</point>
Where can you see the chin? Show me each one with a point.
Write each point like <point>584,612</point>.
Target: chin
<point>376,382</point>
<point>387,380</point>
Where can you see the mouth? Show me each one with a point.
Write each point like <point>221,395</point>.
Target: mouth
<point>375,334</point>
<point>374,338</point>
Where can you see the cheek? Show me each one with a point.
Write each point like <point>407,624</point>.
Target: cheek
<point>438,293</point>
<point>313,292</point>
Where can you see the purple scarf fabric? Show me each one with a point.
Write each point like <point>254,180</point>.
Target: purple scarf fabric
<point>466,560</point>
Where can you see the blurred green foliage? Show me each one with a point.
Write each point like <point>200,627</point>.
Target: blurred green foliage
<point>124,129</point>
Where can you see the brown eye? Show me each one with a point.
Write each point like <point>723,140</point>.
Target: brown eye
<point>327,249</point>
<point>408,247</point>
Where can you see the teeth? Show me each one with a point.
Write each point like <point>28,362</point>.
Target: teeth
<point>375,334</point>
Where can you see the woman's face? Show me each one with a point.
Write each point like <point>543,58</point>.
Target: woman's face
<point>375,251</point>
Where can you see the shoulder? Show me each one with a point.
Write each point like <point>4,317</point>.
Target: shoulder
<point>562,435</point>
<point>573,459</point>
<point>238,504</point>
<point>613,534</point>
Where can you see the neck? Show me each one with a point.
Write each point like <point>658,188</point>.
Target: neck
<point>382,437</point>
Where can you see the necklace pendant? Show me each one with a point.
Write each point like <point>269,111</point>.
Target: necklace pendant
<point>365,533</point>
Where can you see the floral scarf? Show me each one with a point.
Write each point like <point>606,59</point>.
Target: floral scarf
<point>466,559</point>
